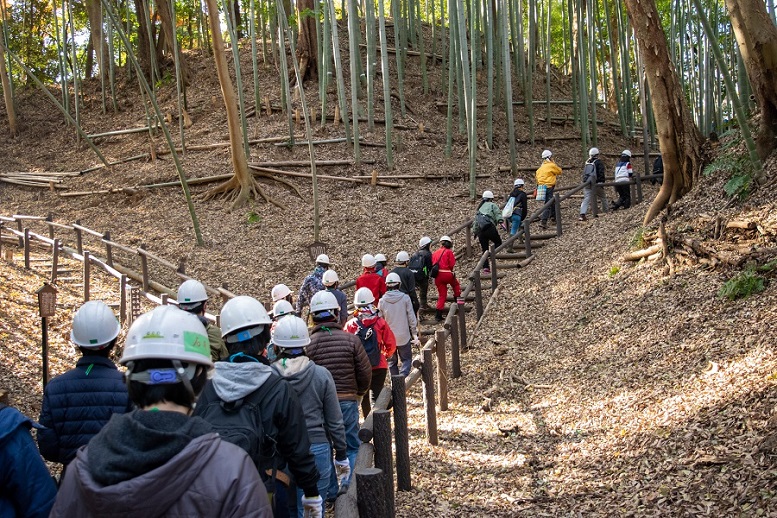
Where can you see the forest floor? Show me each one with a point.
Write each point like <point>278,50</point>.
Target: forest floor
<point>595,386</point>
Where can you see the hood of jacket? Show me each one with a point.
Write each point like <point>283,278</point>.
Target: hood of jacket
<point>233,381</point>
<point>298,372</point>
<point>391,297</point>
<point>11,419</point>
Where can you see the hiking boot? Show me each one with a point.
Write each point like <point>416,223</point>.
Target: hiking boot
<point>438,316</point>
<point>581,217</point>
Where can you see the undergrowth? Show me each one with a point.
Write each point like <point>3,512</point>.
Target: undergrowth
<point>748,282</point>
<point>736,164</point>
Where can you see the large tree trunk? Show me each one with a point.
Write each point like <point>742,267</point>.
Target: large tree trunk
<point>678,136</point>
<point>242,181</point>
<point>757,37</point>
<point>307,45</point>
<point>97,35</point>
<point>166,43</point>
<point>144,46</point>
<point>7,95</point>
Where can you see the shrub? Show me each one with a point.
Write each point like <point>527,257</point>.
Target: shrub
<point>743,285</point>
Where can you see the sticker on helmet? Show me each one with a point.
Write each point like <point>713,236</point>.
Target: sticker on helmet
<point>196,343</point>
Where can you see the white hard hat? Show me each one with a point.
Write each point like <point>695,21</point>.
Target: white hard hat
<point>393,278</point>
<point>424,241</point>
<point>626,152</point>
<point>280,291</point>
<point>330,278</point>
<point>167,333</point>
<point>446,238</point>
<point>402,257</point>
<point>281,308</point>
<point>94,325</point>
<point>290,332</point>
<point>368,260</point>
<point>323,301</point>
<point>488,195</point>
<point>191,294</point>
<point>363,297</point>
<point>322,259</point>
<point>547,154</point>
<point>380,258</point>
<point>518,181</point>
<point>593,151</point>
<point>241,312</point>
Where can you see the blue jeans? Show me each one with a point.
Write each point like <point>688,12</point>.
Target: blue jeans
<point>405,353</point>
<point>515,224</point>
<point>323,454</point>
<point>350,410</point>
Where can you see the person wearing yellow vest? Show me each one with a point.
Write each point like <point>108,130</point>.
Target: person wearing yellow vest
<point>546,175</point>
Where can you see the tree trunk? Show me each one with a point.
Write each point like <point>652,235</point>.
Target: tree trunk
<point>307,45</point>
<point>97,36</point>
<point>678,136</point>
<point>238,21</point>
<point>756,35</point>
<point>242,179</point>
<point>144,46</point>
<point>168,29</point>
<point>7,95</point>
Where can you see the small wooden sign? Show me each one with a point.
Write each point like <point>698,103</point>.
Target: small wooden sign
<point>47,300</point>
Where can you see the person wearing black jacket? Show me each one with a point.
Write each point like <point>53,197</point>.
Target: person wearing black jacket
<point>424,257</point>
<point>520,207</point>
<point>594,168</point>
<point>245,326</point>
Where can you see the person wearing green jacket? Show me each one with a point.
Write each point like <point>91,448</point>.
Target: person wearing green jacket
<point>486,220</point>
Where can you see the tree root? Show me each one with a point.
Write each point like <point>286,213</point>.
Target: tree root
<point>238,194</point>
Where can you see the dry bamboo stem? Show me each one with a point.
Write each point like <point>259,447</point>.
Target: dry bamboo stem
<point>327,177</point>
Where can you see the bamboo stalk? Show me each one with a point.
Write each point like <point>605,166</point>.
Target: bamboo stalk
<point>326,177</point>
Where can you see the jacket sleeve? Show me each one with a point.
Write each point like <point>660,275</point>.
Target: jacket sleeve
<point>293,441</point>
<point>381,286</point>
<point>452,258</point>
<point>48,440</point>
<point>24,477</point>
<point>333,417</point>
<point>363,368</point>
<point>496,214</point>
<point>247,497</point>
<point>411,318</point>
<point>303,297</point>
<point>386,339</point>
<point>524,206</point>
<point>600,169</point>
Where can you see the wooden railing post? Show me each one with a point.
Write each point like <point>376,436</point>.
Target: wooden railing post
<point>87,268</point>
<point>455,344</point>
<point>462,324</point>
<point>492,260</point>
<point>381,428</point>
<point>26,248</point>
<point>79,239</point>
<point>54,261</point>
<point>143,266</point>
<point>427,375</point>
<point>2,225</point>
<point>478,295</point>
<point>123,298</point>
<point>442,369</point>
<point>401,440</point>
<point>371,490</point>
<point>165,297</point>
<point>468,250</point>
<point>21,230</point>
<point>134,304</point>
<point>50,218</point>
<point>108,249</point>
<point>526,239</point>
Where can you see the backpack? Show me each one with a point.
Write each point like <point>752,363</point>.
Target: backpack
<point>482,223</point>
<point>416,265</point>
<point>240,422</point>
<point>369,339</point>
<point>589,171</point>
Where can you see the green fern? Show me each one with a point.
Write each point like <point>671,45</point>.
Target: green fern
<point>743,285</point>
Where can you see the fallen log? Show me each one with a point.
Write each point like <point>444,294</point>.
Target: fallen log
<point>645,252</point>
<point>305,163</point>
<point>324,176</point>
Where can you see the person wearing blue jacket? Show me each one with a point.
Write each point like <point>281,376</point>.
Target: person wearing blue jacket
<point>26,487</point>
<point>77,404</point>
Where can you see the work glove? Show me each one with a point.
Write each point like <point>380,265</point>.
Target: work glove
<point>312,506</point>
<point>343,471</point>
<point>415,341</point>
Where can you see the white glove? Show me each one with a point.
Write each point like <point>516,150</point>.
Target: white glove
<point>343,471</point>
<point>312,506</point>
<point>415,341</point>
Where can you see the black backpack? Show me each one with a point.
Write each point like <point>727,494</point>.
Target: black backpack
<point>417,266</point>
<point>482,223</point>
<point>240,422</point>
<point>369,339</point>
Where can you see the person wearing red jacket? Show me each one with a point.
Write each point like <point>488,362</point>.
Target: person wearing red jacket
<point>370,279</point>
<point>445,260</point>
<point>365,322</point>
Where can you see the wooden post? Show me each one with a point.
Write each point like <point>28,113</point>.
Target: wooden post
<point>372,501</point>
<point>468,249</point>
<point>134,304</point>
<point>54,261</point>
<point>381,427</point>
<point>87,265</point>
<point>123,298</point>
<point>21,230</point>
<point>1,238</point>
<point>50,218</point>
<point>442,369</point>
<point>455,344</point>
<point>526,239</point>
<point>492,260</point>
<point>108,248</point>
<point>429,408</point>
<point>557,208</point>
<point>462,324</point>
<point>79,241</point>
<point>143,266</point>
<point>337,117</point>
<point>401,440</point>
<point>478,296</point>
<point>26,248</point>
<point>165,298</point>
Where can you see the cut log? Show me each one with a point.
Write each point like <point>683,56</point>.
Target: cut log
<point>639,254</point>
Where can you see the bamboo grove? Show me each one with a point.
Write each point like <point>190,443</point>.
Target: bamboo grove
<point>490,56</point>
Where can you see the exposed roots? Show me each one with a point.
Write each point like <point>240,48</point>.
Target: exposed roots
<point>238,194</point>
